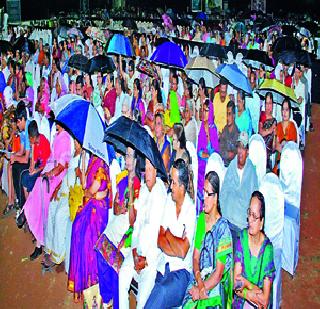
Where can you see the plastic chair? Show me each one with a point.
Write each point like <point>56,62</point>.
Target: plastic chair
<point>258,155</point>
<point>271,189</point>
<point>215,163</point>
<point>291,181</point>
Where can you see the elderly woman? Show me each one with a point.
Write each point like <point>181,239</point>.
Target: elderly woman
<point>212,255</point>
<point>286,131</point>
<point>243,118</point>
<point>208,143</point>
<point>90,222</point>
<point>254,268</point>
<point>267,127</point>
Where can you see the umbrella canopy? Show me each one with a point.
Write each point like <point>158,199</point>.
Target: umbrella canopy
<point>100,63</point>
<point>120,45</point>
<point>62,31</point>
<point>235,77</point>
<point>258,57</point>
<point>201,16</point>
<point>305,32</point>
<point>25,45</point>
<point>144,66</point>
<point>58,105</point>
<point>125,132</point>
<point>82,120</point>
<point>5,46</point>
<point>311,26</point>
<point>286,43</point>
<point>279,91</point>
<point>74,32</point>
<point>287,56</point>
<point>240,27</point>
<point>304,57</point>
<point>169,54</point>
<point>289,30</point>
<point>213,50</point>
<point>79,62</point>
<point>202,67</point>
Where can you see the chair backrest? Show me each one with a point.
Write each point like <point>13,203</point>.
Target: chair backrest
<point>291,173</point>
<point>271,189</point>
<point>258,155</point>
<point>215,163</point>
<point>194,158</point>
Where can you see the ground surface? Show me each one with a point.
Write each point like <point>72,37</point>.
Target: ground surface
<point>23,286</point>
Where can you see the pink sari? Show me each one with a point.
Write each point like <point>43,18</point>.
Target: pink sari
<point>36,207</point>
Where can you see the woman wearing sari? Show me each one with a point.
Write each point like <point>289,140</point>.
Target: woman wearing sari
<point>137,105</point>
<point>59,213</point>
<point>208,143</point>
<point>119,230</point>
<point>254,268</point>
<point>37,205</point>
<point>212,255</point>
<point>267,127</point>
<point>90,222</point>
<point>286,131</point>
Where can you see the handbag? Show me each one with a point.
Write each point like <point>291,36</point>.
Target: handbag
<point>76,194</point>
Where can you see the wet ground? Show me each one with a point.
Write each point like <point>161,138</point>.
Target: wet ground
<point>22,285</point>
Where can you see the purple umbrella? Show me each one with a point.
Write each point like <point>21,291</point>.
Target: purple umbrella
<point>169,54</point>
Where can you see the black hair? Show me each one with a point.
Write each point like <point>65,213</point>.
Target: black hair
<point>21,111</point>
<point>156,86</point>
<point>131,65</point>
<point>183,172</point>
<point>202,83</point>
<point>79,80</point>
<point>260,197</point>
<point>33,129</point>
<point>270,95</point>
<point>181,136</point>
<point>242,95</point>
<point>223,81</point>
<point>175,76</point>
<point>214,181</point>
<point>232,105</point>
<point>286,99</point>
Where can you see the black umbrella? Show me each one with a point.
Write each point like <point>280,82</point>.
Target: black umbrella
<point>305,58</point>
<point>213,50</point>
<point>289,29</point>
<point>5,46</point>
<point>285,43</point>
<point>258,57</point>
<point>287,56</point>
<point>79,62</point>
<point>125,132</point>
<point>24,45</point>
<point>311,26</point>
<point>100,63</point>
<point>130,24</point>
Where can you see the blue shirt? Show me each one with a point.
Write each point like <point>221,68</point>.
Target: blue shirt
<point>24,137</point>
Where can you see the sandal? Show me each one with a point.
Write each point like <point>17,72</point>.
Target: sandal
<point>8,210</point>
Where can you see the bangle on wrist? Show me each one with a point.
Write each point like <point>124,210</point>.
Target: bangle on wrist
<point>250,286</point>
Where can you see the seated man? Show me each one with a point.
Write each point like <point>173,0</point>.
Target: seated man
<point>175,239</point>
<point>40,154</point>
<point>190,124</point>
<point>141,263</point>
<point>229,136</point>
<point>239,183</point>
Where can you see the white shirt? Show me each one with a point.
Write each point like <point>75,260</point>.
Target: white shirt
<point>118,109</point>
<point>150,207</point>
<point>185,223</point>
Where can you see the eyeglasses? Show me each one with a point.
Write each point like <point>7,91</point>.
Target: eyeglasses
<point>253,215</point>
<point>208,194</point>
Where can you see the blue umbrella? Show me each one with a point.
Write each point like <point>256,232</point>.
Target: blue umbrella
<point>169,54</point>
<point>234,76</point>
<point>82,120</point>
<point>201,16</point>
<point>120,45</point>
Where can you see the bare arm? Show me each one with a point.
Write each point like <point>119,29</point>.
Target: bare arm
<point>177,246</point>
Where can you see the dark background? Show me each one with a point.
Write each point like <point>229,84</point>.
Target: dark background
<point>31,9</point>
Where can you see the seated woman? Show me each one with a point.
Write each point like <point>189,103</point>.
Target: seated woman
<point>208,143</point>
<point>254,268</point>
<point>212,255</point>
<point>267,127</point>
<point>243,118</point>
<point>59,213</point>
<point>162,142</point>
<point>119,230</point>
<point>137,105</point>
<point>37,205</point>
<point>286,131</point>
<point>90,222</point>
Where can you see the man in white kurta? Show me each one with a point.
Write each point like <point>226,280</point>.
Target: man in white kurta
<point>175,240</point>
<point>141,263</point>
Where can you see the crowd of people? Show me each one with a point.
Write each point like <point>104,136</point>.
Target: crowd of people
<point>196,240</point>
